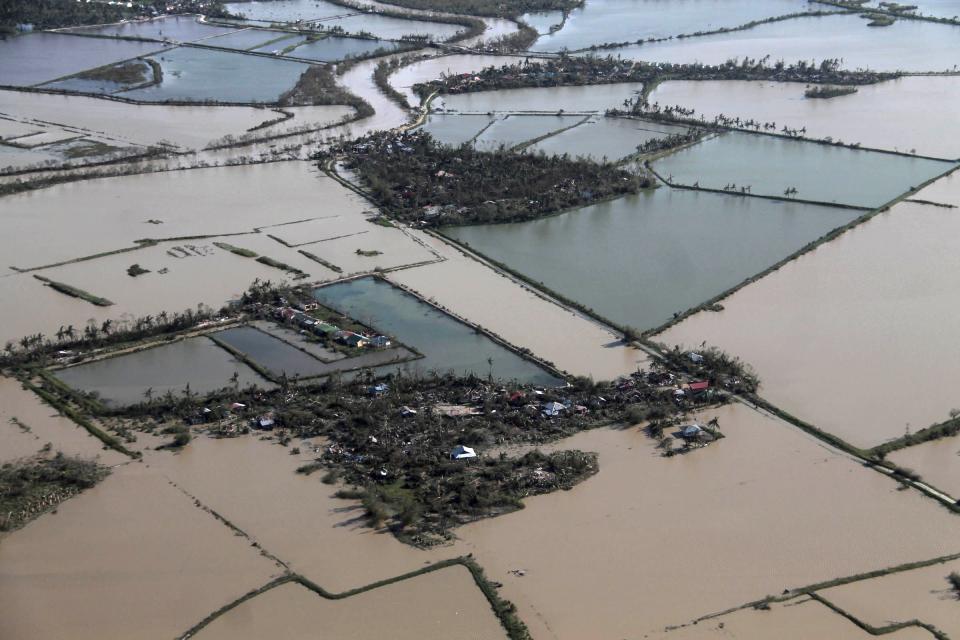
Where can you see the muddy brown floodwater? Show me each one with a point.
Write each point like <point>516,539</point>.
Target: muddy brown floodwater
<point>442,604</point>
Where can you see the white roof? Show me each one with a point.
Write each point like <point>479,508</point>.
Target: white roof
<point>460,452</point>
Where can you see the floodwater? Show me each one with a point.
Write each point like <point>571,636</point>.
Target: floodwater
<point>907,45</point>
<point>447,344</point>
<point>574,98</point>
<point>652,541</point>
<point>44,425</point>
<point>245,39</point>
<point>769,165</point>
<point>455,130</point>
<point>130,558</point>
<point>189,127</point>
<point>286,10</point>
<point>639,259</point>
<point>935,8</point>
<point>446,603</point>
<point>100,86</point>
<point>515,129</point>
<point>911,114</point>
<point>602,137</point>
<point>851,337</point>
<point>280,357</point>
<point>433,68</point>
<point>938,462</point>
<point>334,48</point>
<point>543,21</point>
<point>389,28</point>
<point>194,74</point>
<point>612,21</point>
<point>922,594</point>
<point>596,351</point>
<point>194,362</point>
<point>41,57</point>
<point>173,28</point>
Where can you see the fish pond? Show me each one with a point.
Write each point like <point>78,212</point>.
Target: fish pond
<point>576,98</point>
<point>614,21</point>
<point>769,165</point>
<point>447,344</point>
<point>193,74</point>
<point>252,39</point>
<point>287,10</point>
<point>175,28</point>
<point>516,129</point>
<point>454,130</point>
<point>41,57</point>
<point>906,45</point>
<point>126,379</point>
<point>333,48</point>
<point>639,259</point>
<point>601,137</point>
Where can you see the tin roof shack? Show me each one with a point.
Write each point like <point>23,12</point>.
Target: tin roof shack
<point>461,452</point>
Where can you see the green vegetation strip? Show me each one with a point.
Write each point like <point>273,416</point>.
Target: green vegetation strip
<point>504,610</point>
<point>80,419</point>
<point>270,262</point>
<point>946,429</point>
<point>240,251</point>
<point>74,292</point>
<point>316,258</point>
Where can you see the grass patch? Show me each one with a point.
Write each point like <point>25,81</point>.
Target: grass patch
<point>135,270</point>
<point>240,251</point>
<point>270,262</point>
<point>132,72</point>
<point>828,91</point>
<point>74,292</point>
<point>368,253</point>
<point>316,258</point>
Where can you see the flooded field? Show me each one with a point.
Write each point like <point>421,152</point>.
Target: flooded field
<point>922,594</point>
<point>937,462</point>
<point>935,8</point>
<point>764,489</point>
<point>543,21</point>
<point>515,129</point>
<point>602,137</point>
<point>394,28</point>
<point>447,345</point>
<point>446,603</point>
<point>912,114</point>
<point>141,562</point>
<point>577,98</point>
<point>907,45</point>
<point>612,21</point>
<point>286,10</point>
<point>769,166</point>
<point>809,332</point>
<point>596,352</point>
<point>333,48</point>
<point>41,57</point>
<point>252,39</point>
<point>26,425</point>
<point>194,362</point>
<point>432,68</point>
<point>669,249</point>
<point>455,130</point>
<point>171,28</point>
<point>195,75</point>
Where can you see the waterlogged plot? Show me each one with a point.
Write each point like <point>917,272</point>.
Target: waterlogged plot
<point>393,28</point>
<point>334,48</point>
<point>543,21</point>
<point>41,57</point>
<point>611,21</point>
<point>768,165</point>
<point>194,364</point>
<point>167,28</point>
<point>253,39</point>
<point>286,10</point>
<point>132,557</point>
<point>610,138</point>
<point>455,130</point>
<point>935,8</point>
<point>907,45</point>
<point>512,130</point>
<point>446,603</point>
<point>706,531</point>
<point>196,75</point>
<point>937,462</point>
<point>447,344</point>
<point>432,68</point>
<point>639,259</point>
<point>868,306</point>
<point>913,114</point>
<point>580,98</point>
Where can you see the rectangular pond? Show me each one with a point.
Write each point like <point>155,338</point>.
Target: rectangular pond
<point>448,345</point>
<point>334,48</point>
<point>174,28</point>
<point>124,380</point>
<point>286,10</point>
<point>601,137</point>
<point>454,130</point>
<point>598,97</point>
<point>195,74</point>
<point>906,45</point>
<point>515,129</point>
<point>41,57</point>
<point>393,28</point>
<point>281,357</point>
<point>612,21</point>
<point>253,40</point>
<point>639,259</point>
<point>770,165</point>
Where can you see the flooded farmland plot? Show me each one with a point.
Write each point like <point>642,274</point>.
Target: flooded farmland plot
<point>912,114</point>
<point>333,48</point>
<point>937,463</point>
<point>553,99</point>
<point>763,488</point>
<point>603,137</point>
<point>517,129</point>
<point>143,562</point>
<point>196,364</point>
<point>670,249</point>
<point>172,28</point>
<point>432,68</point>
<point>824,317</point>
<point>843,37</point>
<point>455,130</point>
<point>286,10</point>
<point>251,39</point>
<point>772,166</point>
<point>444,603</point>
<point>447,345</point>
